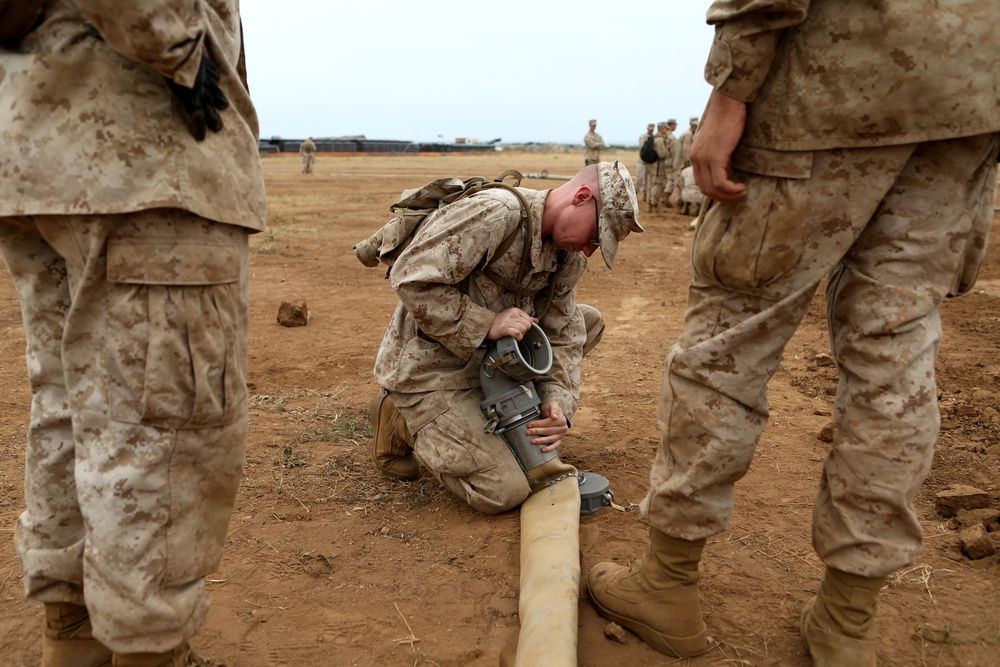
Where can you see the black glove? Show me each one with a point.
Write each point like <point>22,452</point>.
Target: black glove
<point>19,18</point>
<point>204,101</point>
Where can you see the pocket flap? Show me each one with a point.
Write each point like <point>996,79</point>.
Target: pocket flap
<point>766,162</point>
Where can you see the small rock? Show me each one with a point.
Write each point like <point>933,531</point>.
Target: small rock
<point>976,542</point>
<point>293,314</point>
<point>614,631</point>
<point>825,434</point>
<point>960,497</point>
<point>988,518</point>
<point>823,360</point>
<point>966,411</point>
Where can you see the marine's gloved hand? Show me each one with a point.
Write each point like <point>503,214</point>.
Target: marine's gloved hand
<point>204,101</point>
<point>18,18</point>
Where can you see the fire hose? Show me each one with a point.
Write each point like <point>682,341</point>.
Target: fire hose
<point>550,518</point>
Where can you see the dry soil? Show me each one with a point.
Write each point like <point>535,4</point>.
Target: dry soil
<point>327,563</point>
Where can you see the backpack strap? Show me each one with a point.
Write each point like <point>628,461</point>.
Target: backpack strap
<point>478,184</point>
<point>513,284</point>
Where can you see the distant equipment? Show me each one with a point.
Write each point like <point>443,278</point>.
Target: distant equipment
<point>544,174</point>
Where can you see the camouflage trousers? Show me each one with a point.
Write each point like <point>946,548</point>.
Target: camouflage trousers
<point>660,180</point>
<point>136,330</point>
<point>641,174</point>
<point>894,230</point>
<point>476,466</point>
<point>308,159</point>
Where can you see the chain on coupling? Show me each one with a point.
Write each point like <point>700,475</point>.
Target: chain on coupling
<point>621,508</point>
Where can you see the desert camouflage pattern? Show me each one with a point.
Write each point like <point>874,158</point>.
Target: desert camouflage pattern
<point>90,126</point>
<point>894,230</point>
<point>682,150</point>
<point>890,76</point>
<point>136,330</point>
<point>619,214</point>
<point>308,152</point>
<point>659,176</point>
<point>641,170</point>
<point>476,466</point>
<point>430,355</point>
<point>594,143</point>
<point>682,159</point>
<point>434,340</point>
<point>689,191</point>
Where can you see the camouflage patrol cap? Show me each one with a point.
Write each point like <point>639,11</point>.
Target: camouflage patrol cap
<point>619,208</point>
<point>662,123</point>
<point>651,126</point>
<point>592,121</point>
<point>695,120</point>
<point>671,120</point>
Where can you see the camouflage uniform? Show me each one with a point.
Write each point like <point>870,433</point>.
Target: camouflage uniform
<point>641,168</point>
<point>889,197</point>
<point>127,242</point>
<point>308,152</point>
<point>430,356</point>
<point>660,175</point>
<point>682,159</point>
<point>594,143</point>
<point>689,193</point>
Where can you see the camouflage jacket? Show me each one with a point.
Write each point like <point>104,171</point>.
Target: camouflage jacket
<point>665,145</point>
<point>822,74</point>
<point>594,143</point>
<point>89,125</point>
<point>437,336</point>
<point>682,152</point>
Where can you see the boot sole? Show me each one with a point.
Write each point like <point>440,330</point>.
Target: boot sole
<point>678,647</point>
<point>373,412</point>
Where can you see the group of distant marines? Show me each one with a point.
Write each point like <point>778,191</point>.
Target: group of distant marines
<point>669,174</point>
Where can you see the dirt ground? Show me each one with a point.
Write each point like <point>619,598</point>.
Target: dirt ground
<point>327,563</point>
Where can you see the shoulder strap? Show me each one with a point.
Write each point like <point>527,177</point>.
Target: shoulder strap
<point>511,284</point>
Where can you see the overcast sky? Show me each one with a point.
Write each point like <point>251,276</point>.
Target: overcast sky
<point>432,71</point>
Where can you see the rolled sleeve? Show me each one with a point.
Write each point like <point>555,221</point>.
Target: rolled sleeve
<point>746,39</point>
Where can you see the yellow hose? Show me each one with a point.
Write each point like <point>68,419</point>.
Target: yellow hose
<point>550,576</point>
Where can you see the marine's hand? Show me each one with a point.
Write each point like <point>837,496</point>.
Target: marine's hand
<point>511,322</point>
<point>713,147</point>
<point>17,19</point>
<point>550,429</point>
<point>204,101</point>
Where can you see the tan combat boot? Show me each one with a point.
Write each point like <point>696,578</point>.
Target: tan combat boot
<point>837,624</point>
<point>68,640</point>
<point>656,598</point>
<point>392,444</point>
<point>182,656</point>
